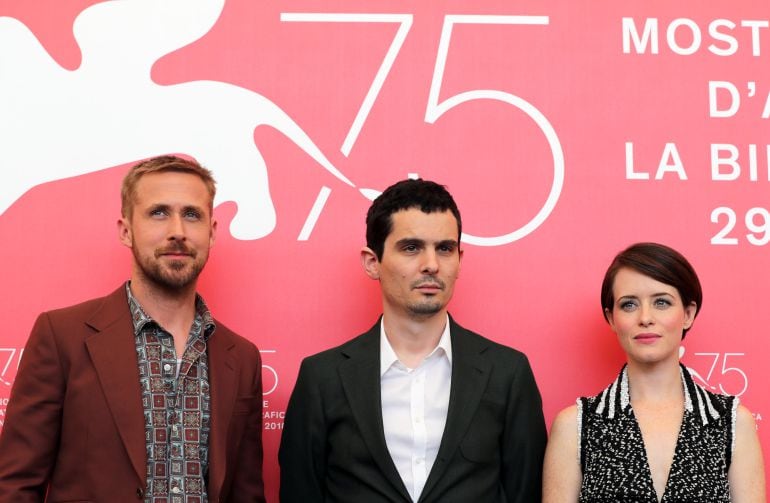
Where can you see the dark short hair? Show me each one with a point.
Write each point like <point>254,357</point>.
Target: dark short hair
<point>161,164</point>
<point>660,263</point>
<point>428,196</point>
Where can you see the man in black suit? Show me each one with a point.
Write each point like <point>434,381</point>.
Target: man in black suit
<point>417,408</point>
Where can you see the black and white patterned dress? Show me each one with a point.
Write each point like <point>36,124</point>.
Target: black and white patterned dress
<point>614,462</point>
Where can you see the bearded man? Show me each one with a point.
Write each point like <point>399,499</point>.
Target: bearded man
<point>140,395</point>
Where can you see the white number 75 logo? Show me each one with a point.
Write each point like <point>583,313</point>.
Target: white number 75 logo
<point>436,109</point>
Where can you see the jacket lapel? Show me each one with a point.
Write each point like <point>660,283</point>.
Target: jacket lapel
<point>470,374</point>
<point>222,386</point>
<point>113,352</point>
<point>360,376</point>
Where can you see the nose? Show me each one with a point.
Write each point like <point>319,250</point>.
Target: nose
<point>645,315</point>
<point>176,228</point>
<point>430,262</point>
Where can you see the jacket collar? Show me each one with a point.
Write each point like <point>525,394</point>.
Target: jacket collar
<point>361,384</point>
<point>111,346</point>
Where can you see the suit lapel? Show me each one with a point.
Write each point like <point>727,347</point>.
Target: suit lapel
<point>360,376</point>
<point>222,385</point>
<point>113,352</point>
<point>470,374</point>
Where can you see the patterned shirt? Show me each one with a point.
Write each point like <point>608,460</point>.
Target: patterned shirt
<point>176,406</point>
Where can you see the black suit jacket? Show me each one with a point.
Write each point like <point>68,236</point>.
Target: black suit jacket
<point>333,445</point>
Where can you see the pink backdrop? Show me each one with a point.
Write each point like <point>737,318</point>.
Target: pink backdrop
<point>565,129</point>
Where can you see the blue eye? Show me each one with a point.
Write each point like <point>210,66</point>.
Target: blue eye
<point>662,302</point>
<point>628,305</point>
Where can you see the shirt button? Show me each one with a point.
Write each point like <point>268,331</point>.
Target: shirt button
<point>167,367</point>
<point>139,493</point>
<point>176,490</point>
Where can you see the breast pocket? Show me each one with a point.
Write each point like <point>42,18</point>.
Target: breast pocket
<point>481,443</point>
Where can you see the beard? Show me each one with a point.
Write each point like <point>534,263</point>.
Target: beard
<point>170,275</point>
<point>426,306</point>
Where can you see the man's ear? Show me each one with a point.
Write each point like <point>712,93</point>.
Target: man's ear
<point>124,231</point>
<point>370,263</point>
<point>213,236</point>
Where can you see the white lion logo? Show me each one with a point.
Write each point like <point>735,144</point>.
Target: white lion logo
<point>109,111</point>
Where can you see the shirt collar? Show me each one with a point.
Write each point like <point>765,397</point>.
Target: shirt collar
<point>388,356</point>
<point>141,319</point>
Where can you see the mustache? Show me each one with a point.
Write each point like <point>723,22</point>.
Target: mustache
<point>175,247</point>
<point>428,281</point>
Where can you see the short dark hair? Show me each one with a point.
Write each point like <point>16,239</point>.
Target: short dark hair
<point>161,164</point>
<point>428,196</point>
<point>659,262</point>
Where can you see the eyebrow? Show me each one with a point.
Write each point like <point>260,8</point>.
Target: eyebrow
<point>659,294</point>
<point>158,206</point>
<point>422,242</point>
<point>166,206</point>
<point>410,241</point>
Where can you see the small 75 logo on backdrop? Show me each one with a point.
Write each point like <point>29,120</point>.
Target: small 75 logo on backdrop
<point>725,374</point>
<point>9,365</point>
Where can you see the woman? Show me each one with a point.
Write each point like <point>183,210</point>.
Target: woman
<point>653,434</point>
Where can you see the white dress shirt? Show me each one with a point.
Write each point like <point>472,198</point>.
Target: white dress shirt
<point>414,408</point>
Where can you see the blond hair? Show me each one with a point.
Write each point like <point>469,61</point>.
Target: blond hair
<point>161,164</point>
